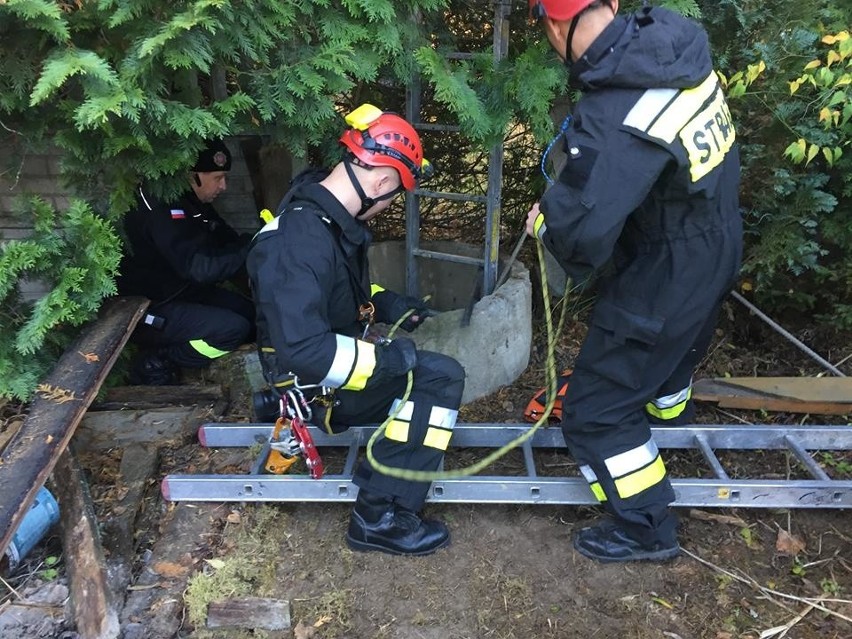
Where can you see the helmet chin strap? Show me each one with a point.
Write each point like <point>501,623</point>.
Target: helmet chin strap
<point>366,202</point>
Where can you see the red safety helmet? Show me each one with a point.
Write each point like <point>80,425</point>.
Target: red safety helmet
<point>557,9</point>
<point>379,138</point>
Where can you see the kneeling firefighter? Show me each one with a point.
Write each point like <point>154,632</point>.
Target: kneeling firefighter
<point>315,302</point>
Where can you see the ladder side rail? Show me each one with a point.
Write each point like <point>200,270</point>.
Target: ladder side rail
<point>412,199</point>
<point>515,490</point>
<point>493,213</point>
<point>492,435</point>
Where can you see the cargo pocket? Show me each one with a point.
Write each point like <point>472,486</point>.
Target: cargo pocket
<point>620,344</point>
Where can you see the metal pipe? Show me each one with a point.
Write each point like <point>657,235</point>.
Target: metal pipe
<point>792,338</point>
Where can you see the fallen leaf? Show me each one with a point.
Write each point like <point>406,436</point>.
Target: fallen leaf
<point>788,544</point>
<point>233,517</point>
<point>301,631</point>
<point>703,515</point>
<point>218,564</point>
<point>319,623</point>
<point>169,569</point>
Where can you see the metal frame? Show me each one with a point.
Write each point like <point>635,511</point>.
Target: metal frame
<point>821,491</point>
<point>491,253</point>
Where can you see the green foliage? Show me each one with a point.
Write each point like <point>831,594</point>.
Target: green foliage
<point>78,262</point>
<point>790,95</point>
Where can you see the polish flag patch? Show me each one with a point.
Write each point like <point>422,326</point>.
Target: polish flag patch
<point>178,214</point>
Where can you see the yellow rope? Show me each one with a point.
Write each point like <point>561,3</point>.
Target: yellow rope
<point>550,372</point>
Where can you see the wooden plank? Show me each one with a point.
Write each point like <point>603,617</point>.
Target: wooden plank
<point>252,613</point>
<point>145,397</point>
<point>832,400</point>
<point>139,464</point>
<point>116,429</point>
<point>92,604</point>
<point>805,389</point>
<point>59,406</point>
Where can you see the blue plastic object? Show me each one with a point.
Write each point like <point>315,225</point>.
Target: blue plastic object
<point>42,515</point>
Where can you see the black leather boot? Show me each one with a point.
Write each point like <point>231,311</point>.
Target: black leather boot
<point>608,542</point>
<point>153,369</point>
<point>377,523</point>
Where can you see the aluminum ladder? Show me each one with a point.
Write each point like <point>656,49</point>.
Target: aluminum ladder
<point>489,261</point>
<point>818,491</point>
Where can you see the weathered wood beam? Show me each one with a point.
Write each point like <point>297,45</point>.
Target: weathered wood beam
<point>92,604</point>
<point>145,397</point>
<point>250,613</point>
<point>58,407</point>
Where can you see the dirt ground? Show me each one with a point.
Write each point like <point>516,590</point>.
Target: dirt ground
<point>510,571</point>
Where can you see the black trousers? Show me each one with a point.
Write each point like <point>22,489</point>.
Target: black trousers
<point>203,323</point>
<point>649,329</point>
<point>433,404</point>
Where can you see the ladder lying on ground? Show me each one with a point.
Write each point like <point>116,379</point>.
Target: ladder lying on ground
<point>819,491</point>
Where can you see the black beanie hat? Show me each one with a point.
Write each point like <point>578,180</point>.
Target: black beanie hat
<point>215,156</point>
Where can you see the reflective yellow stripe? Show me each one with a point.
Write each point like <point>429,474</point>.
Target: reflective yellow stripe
<point>353,363</point>
<point>397,431</point>
<point>670,406</point>
<point>437,438</point>
<point>285,383</point>
<point>635,483</point>
<point>376,288</point>
<point>205,349</point>
<point>684,107</point>
<point>365,364</point>
<point>590,476</point>
<point>539,227</point>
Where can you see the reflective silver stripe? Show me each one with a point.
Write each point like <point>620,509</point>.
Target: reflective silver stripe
<point>631,460</point>
<point>272,225</point>
<point>344,359</point>
<point>406,412</point>
<point>674,399</point>
<point>589,474</point>
<point>443,417</point>
<point>648,107</point>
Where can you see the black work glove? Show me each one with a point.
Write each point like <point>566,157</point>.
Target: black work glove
<point>391,306</point>
<point>394,359</point>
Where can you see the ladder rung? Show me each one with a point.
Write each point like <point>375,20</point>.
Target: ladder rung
<point>529,462</point>
<point>458,55</point>
<point>710,456</point>
<point>425,126</point>
<point>452,196</point>
<point>806,460</point>
<point>448,257</point>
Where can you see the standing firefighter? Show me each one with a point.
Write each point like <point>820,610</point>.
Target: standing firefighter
<point>649,187</point>
<point>311,283</point>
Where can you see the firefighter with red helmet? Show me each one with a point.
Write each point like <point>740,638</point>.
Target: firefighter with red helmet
<point>310,279</point>
<point>649,189</point>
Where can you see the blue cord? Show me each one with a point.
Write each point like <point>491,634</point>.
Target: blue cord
<point>562,129</point>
